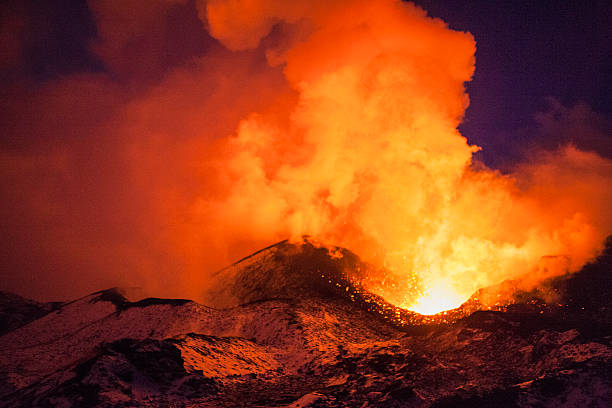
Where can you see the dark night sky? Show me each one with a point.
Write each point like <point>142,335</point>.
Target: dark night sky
<point>527,53</point>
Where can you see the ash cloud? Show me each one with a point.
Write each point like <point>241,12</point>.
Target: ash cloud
<point>213,130</point>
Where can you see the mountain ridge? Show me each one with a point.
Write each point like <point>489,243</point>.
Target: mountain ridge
<point>312,342</point>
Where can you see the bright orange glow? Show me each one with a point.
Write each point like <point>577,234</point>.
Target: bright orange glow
<point>383,169</point>
<point>436,299</point>
<point>334,119</point>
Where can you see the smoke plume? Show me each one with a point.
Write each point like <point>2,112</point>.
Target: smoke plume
<point>333,119</point>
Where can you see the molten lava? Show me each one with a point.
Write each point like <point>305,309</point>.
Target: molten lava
<point>436,299</point>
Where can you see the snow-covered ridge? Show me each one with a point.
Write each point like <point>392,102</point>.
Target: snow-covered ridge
<point>288,339</point>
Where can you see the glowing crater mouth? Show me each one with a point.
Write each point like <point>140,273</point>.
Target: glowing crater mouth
<point>435,299</point>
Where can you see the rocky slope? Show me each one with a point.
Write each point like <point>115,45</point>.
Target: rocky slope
<point>16,311</point>
<point>292,328</point>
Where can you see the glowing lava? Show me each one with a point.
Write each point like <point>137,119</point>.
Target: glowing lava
<point>438,297</point>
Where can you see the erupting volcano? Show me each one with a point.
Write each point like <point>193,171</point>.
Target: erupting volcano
<point>367,156</point>
<point>174,137</point>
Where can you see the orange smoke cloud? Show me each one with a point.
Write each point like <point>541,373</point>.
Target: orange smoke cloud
<point>332,119</point>
<point>380,96</point>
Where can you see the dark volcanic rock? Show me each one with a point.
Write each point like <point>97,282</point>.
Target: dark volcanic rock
<point>286,270</point>
<point>117,297</point>
<point>16,311</point>
<point>297,330</point>
<point>307,270</point>
<point>150,370</point>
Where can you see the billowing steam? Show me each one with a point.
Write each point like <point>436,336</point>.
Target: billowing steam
<point>336,119</point>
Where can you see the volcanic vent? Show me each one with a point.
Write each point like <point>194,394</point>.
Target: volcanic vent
<point>306,269</point>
